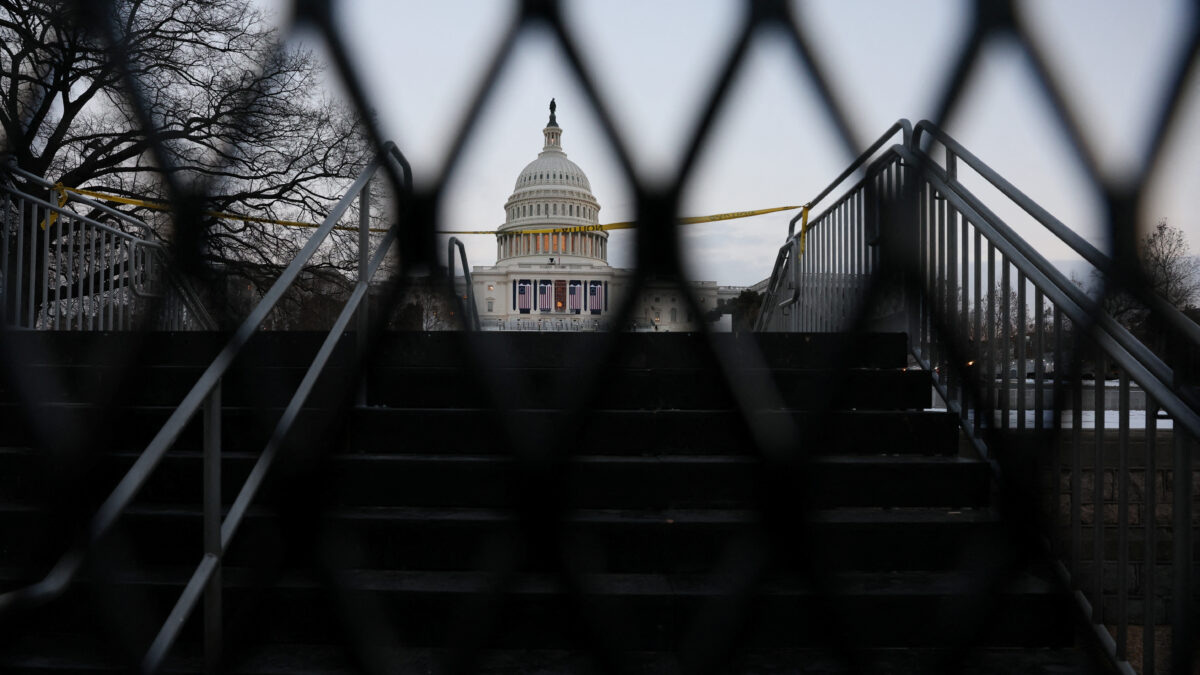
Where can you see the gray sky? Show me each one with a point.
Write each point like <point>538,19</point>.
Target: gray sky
<point>772,144</point>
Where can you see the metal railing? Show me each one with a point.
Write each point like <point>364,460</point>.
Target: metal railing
<point>62,270</point>
<point>798,282</point>
<point>657,207</point>
<point>205,395</point>
<point>908,247</point>
<point>465,302</point>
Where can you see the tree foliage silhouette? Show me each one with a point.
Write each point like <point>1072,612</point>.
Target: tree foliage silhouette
<point>236,115</point>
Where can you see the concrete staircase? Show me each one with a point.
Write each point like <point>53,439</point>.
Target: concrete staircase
<point>521,526</point>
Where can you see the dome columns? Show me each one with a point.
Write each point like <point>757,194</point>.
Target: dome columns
<point>515,243</point>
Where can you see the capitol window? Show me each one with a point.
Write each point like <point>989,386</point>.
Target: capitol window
<point>491,305</point>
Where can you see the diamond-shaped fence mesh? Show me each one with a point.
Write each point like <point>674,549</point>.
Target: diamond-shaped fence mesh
<point>906,244</point>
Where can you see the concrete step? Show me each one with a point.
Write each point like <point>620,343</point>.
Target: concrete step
<point>73,654</point>
<point>514,350</point>
<point>673,540</point>
<point>583,481</point>
<point>475,430</point>
<point>453,387</point>
<point>637,611</point>
<point>394,519</point>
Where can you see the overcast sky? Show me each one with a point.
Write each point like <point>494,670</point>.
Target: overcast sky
<point>772,144</point>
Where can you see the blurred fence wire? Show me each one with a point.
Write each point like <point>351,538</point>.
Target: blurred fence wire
<point>941,337</point>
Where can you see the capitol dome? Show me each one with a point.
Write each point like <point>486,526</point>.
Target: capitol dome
<point>552,212</point>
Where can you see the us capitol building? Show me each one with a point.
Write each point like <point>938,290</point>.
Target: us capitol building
<point>552,270</point>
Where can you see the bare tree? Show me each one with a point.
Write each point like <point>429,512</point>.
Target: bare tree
<point>234,115</point>
<point>1173,272</point>
<point>999,316</point>
<point>745,308</point>
<point>426,306</point>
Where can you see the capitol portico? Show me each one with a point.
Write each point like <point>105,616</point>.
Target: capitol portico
<point>552,270</point>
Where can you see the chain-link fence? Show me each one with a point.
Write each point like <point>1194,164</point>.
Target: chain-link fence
<point>417,213</point>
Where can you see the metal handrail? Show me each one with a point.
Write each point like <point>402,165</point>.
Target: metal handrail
<point>210,562</point>
<point>191,301</point>
<point>206,390</point>
<point>789,251</point>
<point>156,250</point>
<point>1128,342</point>
<point>64,211</point>
<point>392,154</point>
<point>1144,367</point>
<point>470,312</point>
<point>1103,263</point>
<point>12,167</point>
<point>792,251</point>
<point>1117,332</point>
<point>1117,345</point>
<point>939,317</point>
<point>902,125</point>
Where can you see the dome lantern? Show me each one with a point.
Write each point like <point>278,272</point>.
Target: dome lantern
<point>552,132</point>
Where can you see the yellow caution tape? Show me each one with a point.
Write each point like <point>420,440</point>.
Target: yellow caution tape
<point>555,230</point>
<point>625,225</point>
<point>733,215</point>
<point>803,227</point>
<point>163,206</point>
<point>62,201</point>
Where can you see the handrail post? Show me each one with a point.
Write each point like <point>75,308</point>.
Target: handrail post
<point>467,303</point>
<point>952,177</point>
<point>364,245</point>
<point>1182,635</point>
<point>212,527</point>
